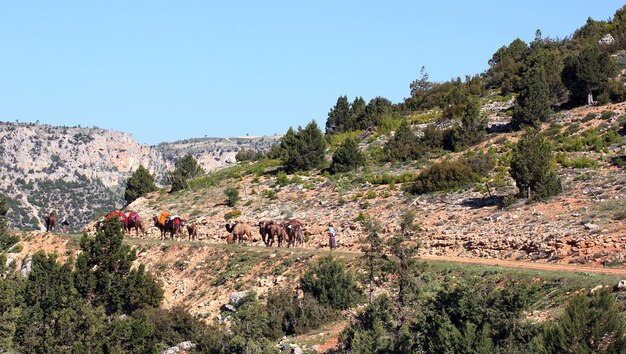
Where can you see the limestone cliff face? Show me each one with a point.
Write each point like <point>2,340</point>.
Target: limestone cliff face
<point>81,172</point>
<point>33,151</point>
<point>73,171</point>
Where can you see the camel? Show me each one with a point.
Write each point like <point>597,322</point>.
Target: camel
<point>173,226</point>
<point>136,224</point>
<point>192,229</point>
<point>295,235</point>
<point>270,230</point>
<point>238,231</point>
<point>51,222</point>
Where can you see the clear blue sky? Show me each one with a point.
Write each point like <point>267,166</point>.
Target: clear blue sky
<point>168,70</point>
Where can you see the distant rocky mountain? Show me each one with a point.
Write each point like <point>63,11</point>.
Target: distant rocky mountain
<point>214,153</point>
<point>81,172</point>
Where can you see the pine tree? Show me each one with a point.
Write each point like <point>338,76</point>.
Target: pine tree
<point>6,238</point>
<point>473,126</point>
<point>356,114</point>
<point>104,275</point>
<point>588,325</point>
<point>373,250</point>
<point>347,157</point>
<point>403,145</point>
<point>404,249</point>
<point>588,72</point>
<point>532,167</point>
<point>331,284</point>
<point>338,116</point>
<point>188,167</point>
<point>533,104</point>
<point>185,169</point>
<point>305,149</point>
<point>139,183</point>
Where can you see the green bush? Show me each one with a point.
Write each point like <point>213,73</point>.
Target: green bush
<point>444,176</point>
<point>331,284</point>
<point>588,117</point>
<point>577,162</point>
<point>281,178</point>
<point>232,196</point>
<point>232,214</point>
<point>606,115</point>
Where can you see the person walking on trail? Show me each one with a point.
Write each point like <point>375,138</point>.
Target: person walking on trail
<point>64,224</point>
<point>332,242</point>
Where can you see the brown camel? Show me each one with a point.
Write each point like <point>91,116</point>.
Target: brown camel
<point>51,222</point>
<point>270,230</point>
<point>136,224</point>
<point>173,226</point>
<point>238,231</point>
<point>294,232</point>
<point>192,229</point>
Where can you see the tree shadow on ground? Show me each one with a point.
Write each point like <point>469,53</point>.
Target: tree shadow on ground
<point>477,203</point>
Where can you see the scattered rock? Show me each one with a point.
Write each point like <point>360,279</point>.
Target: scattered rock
<point>606,40</point>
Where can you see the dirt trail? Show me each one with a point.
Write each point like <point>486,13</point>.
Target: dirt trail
<point>553,267</point>
<point>58,242</point>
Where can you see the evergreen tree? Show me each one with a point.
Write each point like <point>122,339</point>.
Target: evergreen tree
<point>373,253</point>
<point>347,157</point>
<point>374,112</point>
<point>455,101</point>
<point>304,150</point>
<point>473,126</point>
<point>404,249</point>
<point>331,284</point>
<point>338,116</point>
<point>532,167</point>
<point>188,167</point>
<point>533,104</point>
<point>6,238</point>
<point>184,169</point>
<point>139,183</point>
<point>587,73</point>
<point>505,66</point>
<point>356,114</point>
<point>104,275</point>
<point>588,325</point>
<point>403,145</point>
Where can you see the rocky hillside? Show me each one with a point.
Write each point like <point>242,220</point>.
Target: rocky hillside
<point>81,172</point>
<point>215,153</point>
<point>583,225</point>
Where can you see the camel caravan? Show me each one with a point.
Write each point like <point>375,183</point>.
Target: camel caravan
<point>288,233</point>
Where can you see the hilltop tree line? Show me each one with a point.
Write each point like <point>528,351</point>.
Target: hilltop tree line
<point>543,76</point>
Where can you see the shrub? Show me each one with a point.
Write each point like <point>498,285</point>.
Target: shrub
<point>606,115</point>
<point>232,196</point>
<point>270,194</point>
<point>579,162</point>
<point>249,155</point>
<point>331,284</point>
<point>232,214</point>
<point>588,117</point>
<point>444,176</point>
<point>281,178</point>
<point>481,163</point>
